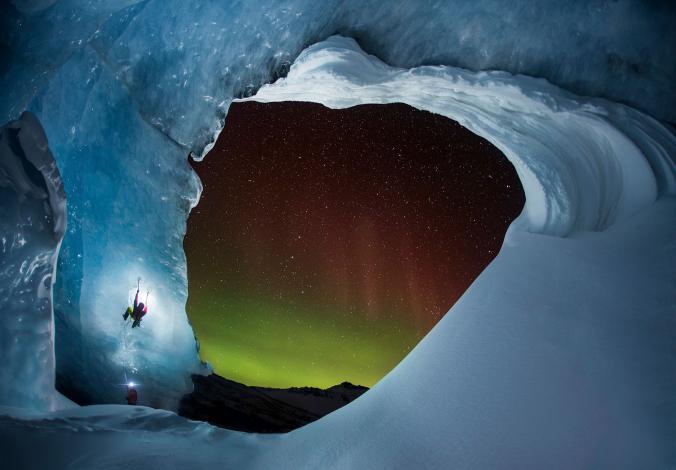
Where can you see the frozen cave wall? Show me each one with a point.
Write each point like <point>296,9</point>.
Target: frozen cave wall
<point>133,189</point>
<point>125,89</point>
<point>32,224</point>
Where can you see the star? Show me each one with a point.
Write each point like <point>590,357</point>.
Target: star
<point>327,235</point>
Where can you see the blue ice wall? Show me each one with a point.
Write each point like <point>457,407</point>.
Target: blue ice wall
<point>621,50</point>
<point>127,220</point>
<point>32,225</point>
<point>125,89</point>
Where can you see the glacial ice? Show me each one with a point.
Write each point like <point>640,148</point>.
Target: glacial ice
<point>583,162</point>
<point>126,88</point>
<point>559,355</point>
<point>130,190</point>
<point>32,224</point>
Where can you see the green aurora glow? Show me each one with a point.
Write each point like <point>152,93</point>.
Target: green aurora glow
<point>327,243</point>
<point>303,348</point>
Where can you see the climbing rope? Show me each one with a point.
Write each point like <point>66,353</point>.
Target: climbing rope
<point>125,350</point>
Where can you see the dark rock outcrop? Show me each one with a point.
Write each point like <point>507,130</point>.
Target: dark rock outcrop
<point>236,406</point>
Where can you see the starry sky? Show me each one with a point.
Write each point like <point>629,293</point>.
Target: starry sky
<point>327,243</point>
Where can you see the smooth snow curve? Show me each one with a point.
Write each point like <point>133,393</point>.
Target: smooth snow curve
<point>584,162</point>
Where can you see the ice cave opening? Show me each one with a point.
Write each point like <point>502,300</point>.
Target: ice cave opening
<point>559,355</point>
<point>584,164</point>
<point>328,242</point>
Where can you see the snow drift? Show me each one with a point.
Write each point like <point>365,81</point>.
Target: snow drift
<point>559,355</point>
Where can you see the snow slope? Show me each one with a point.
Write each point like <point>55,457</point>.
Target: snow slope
<point>574,370</point>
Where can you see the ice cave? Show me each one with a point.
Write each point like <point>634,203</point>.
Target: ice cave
<point>561,353</point>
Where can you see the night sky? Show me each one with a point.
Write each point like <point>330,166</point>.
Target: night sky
<point>327,243</point>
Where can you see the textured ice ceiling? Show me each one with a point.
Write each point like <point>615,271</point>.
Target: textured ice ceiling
<point>126,89</point>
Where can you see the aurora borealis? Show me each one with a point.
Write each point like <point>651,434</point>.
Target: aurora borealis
<point>327,243</point>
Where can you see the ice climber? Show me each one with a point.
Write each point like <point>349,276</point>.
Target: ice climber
<point>138,311</point>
